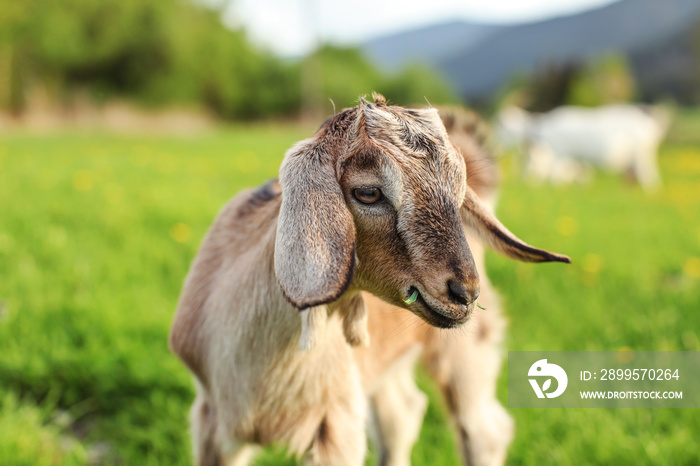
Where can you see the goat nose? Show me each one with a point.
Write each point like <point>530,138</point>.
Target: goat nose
<point>460,294</point>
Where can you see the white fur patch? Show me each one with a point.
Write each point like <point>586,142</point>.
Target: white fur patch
<point>313,327</point>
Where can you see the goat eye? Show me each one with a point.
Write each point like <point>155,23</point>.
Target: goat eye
<point>367,195</point>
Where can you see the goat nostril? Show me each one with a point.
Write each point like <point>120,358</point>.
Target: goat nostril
<point>458,293</point>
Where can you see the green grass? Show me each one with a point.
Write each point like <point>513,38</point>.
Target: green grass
<point>97,232</point>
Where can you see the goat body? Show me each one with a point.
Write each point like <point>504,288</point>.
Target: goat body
<point>374,202</point>
<point>563,143</point>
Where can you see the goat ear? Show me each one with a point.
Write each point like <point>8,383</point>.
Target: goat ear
<point>479,218</point>
<point>315,244</point>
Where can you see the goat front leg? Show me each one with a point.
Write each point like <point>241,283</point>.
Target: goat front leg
<point>340,439</point>
<point>466,367</point>
<point>645,168</point>
<point>399,406</point>
<point>207,444</point>
<point>203,429</point>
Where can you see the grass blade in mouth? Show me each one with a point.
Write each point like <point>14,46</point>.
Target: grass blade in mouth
<point>480,306</point>
<point>412,298</point>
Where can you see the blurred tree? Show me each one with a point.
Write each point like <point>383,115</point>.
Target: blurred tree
<point>415,83</point>
<point>514,93</point>
<point>173,51</point>
<point>14,17</point>
<point>346,74</point>
<point>606,80</point>
<point>545,89</point>
<point>219,67</point>
<point>550,86</point>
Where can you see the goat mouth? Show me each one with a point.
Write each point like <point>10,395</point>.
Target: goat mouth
<point>428,313</point>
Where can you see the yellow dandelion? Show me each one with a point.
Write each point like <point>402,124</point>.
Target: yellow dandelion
<point>83,181</point>
<point>567,226</point>
<point>683,194</point>
<point>592,263</point>
<point>181,232</point>
<point>114,193</point>
<point>624,355</point>
<point>692,267</point>
<point>689,161</point>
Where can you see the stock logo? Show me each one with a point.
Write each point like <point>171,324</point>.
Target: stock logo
<point>542,369</point>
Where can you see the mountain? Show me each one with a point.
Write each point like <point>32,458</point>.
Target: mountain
<point>481,65</point>
<point>427,45</point>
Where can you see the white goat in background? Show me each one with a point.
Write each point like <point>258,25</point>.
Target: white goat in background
<point>562,145</point>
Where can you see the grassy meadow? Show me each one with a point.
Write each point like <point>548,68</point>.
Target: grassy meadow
<point>97,232</point>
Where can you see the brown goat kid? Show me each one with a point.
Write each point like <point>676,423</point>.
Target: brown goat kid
<point>374,202</point>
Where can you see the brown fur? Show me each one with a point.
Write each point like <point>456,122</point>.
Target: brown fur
<point>271,301</point>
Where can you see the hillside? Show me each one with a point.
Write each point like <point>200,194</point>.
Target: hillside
<point>479,66</point>
<point>430,45</point>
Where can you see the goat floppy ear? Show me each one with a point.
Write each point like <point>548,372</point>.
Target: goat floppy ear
<point>478,217</point>
<point>315,244</point>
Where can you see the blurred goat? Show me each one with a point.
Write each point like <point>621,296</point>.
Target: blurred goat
<point>374,202</point>
<point>562,145</point>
